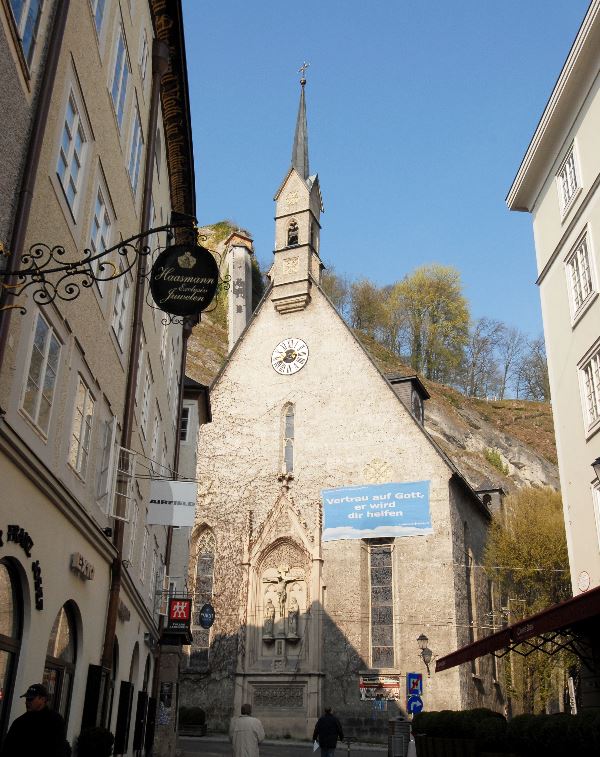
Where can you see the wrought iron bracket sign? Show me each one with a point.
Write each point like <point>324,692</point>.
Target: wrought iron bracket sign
<point>184,279</point>
<point>51,274</point>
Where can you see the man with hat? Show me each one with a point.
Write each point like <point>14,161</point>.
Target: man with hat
<point>39,731</point>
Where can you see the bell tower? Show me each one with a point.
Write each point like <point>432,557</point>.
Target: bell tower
<point>298,208</point>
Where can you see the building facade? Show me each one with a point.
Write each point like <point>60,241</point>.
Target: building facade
<point>304,620</point>
<point>90,380</point>
<point>557,183</point>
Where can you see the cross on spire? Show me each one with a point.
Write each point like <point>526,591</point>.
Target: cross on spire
<point>302,70</point>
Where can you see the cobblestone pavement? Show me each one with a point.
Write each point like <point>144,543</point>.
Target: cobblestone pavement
<point>217,746</point>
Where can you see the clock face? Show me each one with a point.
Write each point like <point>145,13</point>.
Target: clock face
<point>289,356</point>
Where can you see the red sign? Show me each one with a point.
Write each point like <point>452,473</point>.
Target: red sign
<point>180,613</point>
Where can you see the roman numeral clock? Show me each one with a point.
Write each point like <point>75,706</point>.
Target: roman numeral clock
<point>289,356</point>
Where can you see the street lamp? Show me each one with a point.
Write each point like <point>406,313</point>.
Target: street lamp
<point>426,654</point>
<point>596,467</point>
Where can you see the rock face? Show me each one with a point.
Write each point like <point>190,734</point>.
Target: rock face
<point>486,455</point>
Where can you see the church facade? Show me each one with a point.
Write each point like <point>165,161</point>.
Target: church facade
<point>307,614</point>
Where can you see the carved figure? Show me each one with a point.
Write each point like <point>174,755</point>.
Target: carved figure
<point>293,612</point>
<point>269,618</point>
<point>281,583</point>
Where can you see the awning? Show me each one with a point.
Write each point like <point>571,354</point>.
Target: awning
<point>549,630</point>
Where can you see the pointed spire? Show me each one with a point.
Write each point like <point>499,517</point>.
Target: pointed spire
<point>300,149</point>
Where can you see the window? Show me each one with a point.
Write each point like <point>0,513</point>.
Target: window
<point>292,233</point>
<point>26,14</point>
<point>144,57</point>
<point>98,11</point>
<point>140,365</point>
<point>82,429</point>
<point>579,275</point>
<point>132,533</point>
<point>203,593</point>
<point>567,180</point>
<point>382,606</point>
<point>152,581</point>
<point>59,669</point>
<point>118,89</point>
<point>11,624</point>
<point>590,373</point>
<point>156,434</point>
<point>71,154</point>
<point>120,306</point>
<point>596,496</point>
<point>163,343</point>
<point>288,440</point>
<point>184,423</point>
<point>144,556</point>
<point>135,150</point>
<point>146,400</point>
<point>100,237</point>
<point>104,478</point>
<point>41,374</point>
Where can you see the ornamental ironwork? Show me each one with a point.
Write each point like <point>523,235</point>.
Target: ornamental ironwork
<point>49,275</point>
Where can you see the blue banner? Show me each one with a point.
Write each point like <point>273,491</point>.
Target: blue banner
<point>376,510</point>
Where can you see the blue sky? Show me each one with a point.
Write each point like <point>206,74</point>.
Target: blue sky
<point>418,116</point>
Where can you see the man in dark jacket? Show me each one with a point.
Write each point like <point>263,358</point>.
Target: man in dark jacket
<point>327,731</point>
<point>40,732</point>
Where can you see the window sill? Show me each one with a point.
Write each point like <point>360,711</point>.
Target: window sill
<point>592,429</point>
<point>583,308</point>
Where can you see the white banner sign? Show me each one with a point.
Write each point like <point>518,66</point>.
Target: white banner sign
<point>172,503</point>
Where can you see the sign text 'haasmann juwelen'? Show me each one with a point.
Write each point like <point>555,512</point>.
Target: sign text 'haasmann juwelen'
<point>184,279</point>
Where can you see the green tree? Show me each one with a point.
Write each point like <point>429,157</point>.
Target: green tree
<point>337,288</point>
<point>366,307</point>
<point>436,320</point>
<point>526,557</point>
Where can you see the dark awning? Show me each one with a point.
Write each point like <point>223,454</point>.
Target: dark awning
<point>551,620</point>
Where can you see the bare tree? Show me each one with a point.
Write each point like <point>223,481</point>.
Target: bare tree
<point>509,351</point>
<point>479,376</point>
<point>532,378</point>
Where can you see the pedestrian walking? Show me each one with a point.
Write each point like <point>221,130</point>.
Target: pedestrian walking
<point>327,731</point>
<point>246,733</point>
<point>38,732</point>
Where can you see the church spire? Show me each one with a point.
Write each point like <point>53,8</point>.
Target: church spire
<point>300,149</point>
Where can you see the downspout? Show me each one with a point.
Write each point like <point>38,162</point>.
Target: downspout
<point>160,64</point>
<point>32,158</point>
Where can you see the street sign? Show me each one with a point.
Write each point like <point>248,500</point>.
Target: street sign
<point>414,684</point>
<point>414,704</point>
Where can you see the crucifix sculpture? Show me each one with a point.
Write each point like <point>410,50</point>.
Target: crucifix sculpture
<point>281,583</point>
<point>302,70</point>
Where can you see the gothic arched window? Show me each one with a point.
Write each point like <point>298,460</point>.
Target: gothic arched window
<point>203,592</point>
<point>292,233</point>
<point>288,439</point>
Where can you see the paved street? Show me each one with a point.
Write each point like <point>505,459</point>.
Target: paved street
<point>216,746</point>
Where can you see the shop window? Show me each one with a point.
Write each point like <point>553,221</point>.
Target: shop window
<point>11,625</point>
<point>59,670</point>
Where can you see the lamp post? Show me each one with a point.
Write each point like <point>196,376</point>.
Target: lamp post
<point>426,654</point>
<point>596,467</point>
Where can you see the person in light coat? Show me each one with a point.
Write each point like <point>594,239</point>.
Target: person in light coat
<point>246,733</point>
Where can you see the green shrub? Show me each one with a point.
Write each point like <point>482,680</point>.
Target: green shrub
<point>486,727</point>
<point>192,716</point>
<point>555,735</point>
<point>493,458</point>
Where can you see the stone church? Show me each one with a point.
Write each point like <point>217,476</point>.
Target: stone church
<point>308,613</point>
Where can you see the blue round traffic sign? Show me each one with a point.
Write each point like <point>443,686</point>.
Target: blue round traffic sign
<point>414,704</point>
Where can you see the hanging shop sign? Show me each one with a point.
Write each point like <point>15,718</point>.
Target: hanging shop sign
<point>184,279</point>
<point>207,616</point>
<point>172,503</point>
<point>179,615</point>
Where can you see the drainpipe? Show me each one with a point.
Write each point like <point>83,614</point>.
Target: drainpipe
<point>160,64</point>
<point>32,158</point>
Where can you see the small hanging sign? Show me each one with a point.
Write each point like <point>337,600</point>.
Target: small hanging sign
<point>184,279</point>
<point>207,616</point>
